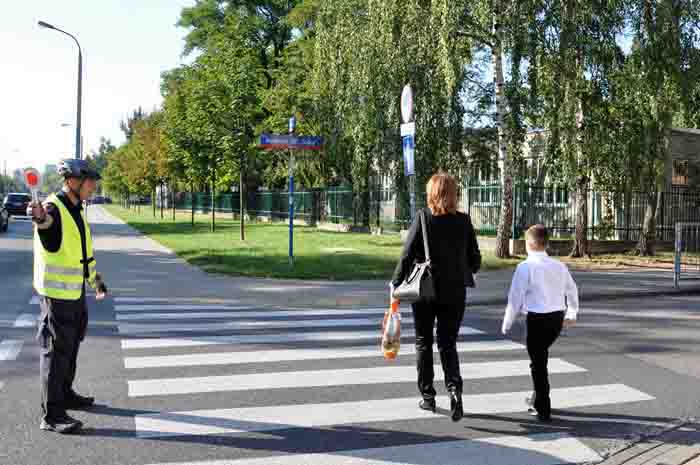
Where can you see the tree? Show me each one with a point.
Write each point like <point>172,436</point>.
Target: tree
<point>211,107</point>
<point>507,29</point>
<point>366,51</point>
<point>51,181</point>
<point>127,126</point>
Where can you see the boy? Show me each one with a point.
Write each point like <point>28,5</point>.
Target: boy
<point>544,290</point>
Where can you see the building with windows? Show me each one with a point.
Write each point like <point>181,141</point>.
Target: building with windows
<point>616,215</point>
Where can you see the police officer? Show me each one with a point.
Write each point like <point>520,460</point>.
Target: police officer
<point>63,263</point>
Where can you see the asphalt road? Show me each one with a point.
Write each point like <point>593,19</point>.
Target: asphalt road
<point>186,370</point>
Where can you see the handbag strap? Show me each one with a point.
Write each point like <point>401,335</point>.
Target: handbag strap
<point>425,235</point>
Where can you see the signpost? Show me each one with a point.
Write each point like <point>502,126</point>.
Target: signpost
<point>408,139</point>
<point>292,128</point>
<point>291,143</point>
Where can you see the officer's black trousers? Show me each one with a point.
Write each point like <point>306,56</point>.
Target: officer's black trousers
<point>449,318</point>
<point>542,330</point>
<point>62,327</point>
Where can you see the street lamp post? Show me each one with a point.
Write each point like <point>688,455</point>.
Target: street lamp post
<point>78,138</point>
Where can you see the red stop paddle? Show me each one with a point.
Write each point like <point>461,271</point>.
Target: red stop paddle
<point>32,179</point>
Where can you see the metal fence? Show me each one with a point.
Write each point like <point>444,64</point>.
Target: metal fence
<point>338,206</point>
<point>611,215</point>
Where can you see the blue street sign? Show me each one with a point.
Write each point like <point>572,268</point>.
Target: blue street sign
<point>283,141</point>
<point>409,151</point>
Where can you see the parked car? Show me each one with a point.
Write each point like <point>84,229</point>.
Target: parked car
<point>17,203</point>
<point>108,200</point>
<point>97,200</point>
<point>4,219</point>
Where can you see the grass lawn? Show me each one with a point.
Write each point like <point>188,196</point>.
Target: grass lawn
<point>318,254</point>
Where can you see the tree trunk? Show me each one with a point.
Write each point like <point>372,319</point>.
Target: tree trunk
<point>581,237</point>
<point>192,203</point>
<point>153,201</point>
<point>628,212</point>
<point>506,220</point>
<point>241,199</point>
<point>162,200</point>
<point>213,200</point>
<point>173,199</point>
<point>645,246</point>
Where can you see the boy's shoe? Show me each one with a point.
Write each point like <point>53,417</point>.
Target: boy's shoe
<point>542,418</point>
<point>530,402</point>
<point>62,424</point>
<point>428,404</point>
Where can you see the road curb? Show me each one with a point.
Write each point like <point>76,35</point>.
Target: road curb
<point>675,444</point>
<point>485,302</point>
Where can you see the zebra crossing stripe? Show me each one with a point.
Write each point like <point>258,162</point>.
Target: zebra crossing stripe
<point>10,349</point>
<point>244,314</point>
<point>535,449</point>
<point>324,378</point>
<point>138,300</point>
<point>260,419</point>
<point>179,307</point>
<point>137,328</point>
<point>25,320</point>
<point>286,355</point>
<point>197,341</point>
<point>145,328</point>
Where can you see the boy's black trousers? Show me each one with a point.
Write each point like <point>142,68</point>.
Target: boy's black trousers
<point>542,330</point>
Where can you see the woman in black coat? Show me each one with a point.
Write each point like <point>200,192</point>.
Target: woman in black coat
<point>455,257</point>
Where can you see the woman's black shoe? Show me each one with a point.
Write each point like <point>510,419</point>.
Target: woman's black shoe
<point>428,404</point>
<point>456,407</point>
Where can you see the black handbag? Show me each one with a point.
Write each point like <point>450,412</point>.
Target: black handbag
<point>418,285</point>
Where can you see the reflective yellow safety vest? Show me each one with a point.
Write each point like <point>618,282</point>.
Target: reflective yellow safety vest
<point>59,275</point>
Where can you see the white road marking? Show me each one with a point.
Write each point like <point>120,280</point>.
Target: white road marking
<point>25,320</point>
<point>323,378</point>
<point>285,355</point>
<point>10,349</point>
<point>197,341</point>
<point>260,419</point>
<point>535,449</point>
<point>243,314</point>
<point>137,328</point>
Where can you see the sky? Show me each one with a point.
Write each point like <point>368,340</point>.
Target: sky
<point>127,44</point>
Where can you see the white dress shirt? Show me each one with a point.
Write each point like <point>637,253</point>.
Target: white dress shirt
<point>541,284</point>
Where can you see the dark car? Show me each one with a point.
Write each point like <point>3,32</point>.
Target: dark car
<point>16,204</point>
<point>4,219</point>
<point>97,200</point>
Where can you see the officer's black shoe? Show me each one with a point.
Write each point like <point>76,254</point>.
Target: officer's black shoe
<point>62,425</point>
<point>75,401</point>
<point>428,404</point>
<point>456,407</point>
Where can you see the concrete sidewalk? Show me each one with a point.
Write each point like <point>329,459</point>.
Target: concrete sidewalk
<point>119,241</point>
<point>679,445</point>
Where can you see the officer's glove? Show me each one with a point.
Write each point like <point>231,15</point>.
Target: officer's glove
<point>100,287</point>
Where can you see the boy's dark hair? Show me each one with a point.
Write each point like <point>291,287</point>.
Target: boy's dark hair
<point>538,234</point>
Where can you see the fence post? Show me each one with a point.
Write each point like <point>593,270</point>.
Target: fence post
<point>514,228</point>
<point>677,258</point>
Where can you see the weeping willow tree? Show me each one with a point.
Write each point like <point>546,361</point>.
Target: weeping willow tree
<point>366,51</point>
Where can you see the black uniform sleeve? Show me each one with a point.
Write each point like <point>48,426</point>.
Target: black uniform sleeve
<point>412,250</point>
<point>472,249</point>
<point>51,237</point>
